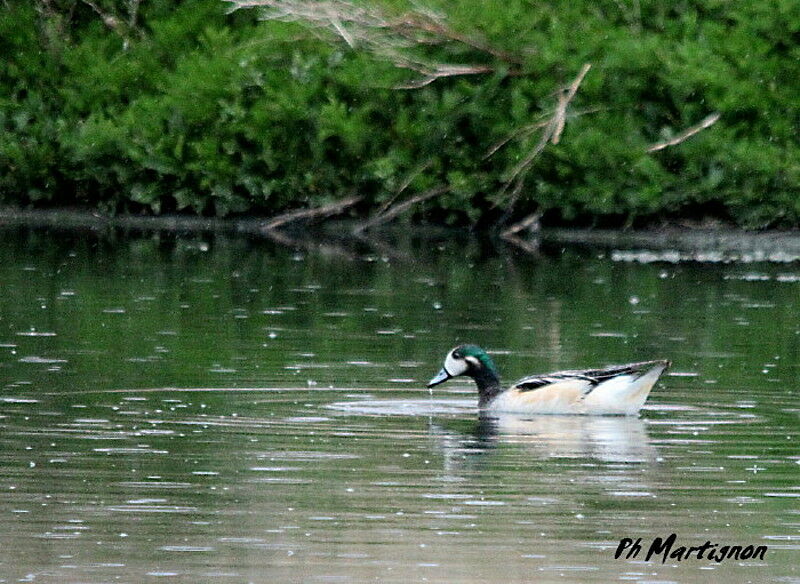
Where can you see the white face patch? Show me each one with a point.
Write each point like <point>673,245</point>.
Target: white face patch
<point>474,361</point>
<point>453,366</point>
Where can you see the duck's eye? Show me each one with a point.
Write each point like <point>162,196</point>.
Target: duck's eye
<point>457,355</point>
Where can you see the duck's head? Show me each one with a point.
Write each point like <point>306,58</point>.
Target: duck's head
<point>468,360</point>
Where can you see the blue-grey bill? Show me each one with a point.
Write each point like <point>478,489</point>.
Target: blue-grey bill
<point>441,377</point>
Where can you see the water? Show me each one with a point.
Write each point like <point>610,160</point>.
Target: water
<point>217,408</point>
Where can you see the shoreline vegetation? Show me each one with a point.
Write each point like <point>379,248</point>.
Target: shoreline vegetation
<point>504,117</point>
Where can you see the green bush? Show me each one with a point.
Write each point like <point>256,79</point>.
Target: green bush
<point>188,107</point>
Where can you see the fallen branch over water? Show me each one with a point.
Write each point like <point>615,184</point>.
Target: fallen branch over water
<point>686,134</point>
<point>530,246</point>
<point>530,222</point>
<point>314,213</point>
<point>399,208</point>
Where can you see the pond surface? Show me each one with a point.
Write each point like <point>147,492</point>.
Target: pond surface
<point>208,407</point>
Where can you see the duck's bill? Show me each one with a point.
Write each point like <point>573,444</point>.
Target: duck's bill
<point>441,377</point>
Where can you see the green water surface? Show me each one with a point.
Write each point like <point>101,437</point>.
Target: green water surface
<point>218,408</point>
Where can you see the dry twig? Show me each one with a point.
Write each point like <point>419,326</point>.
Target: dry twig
<point>706,122</point>
<point>108,19</point>
<point>436,71</point>
<point>415,172</point>
<point>552,129</point>
<point>391,39</point>
<point>310,214</point>
<point>116,23</point>
<point>529,246</point>
<point>400,208</point>
<point>554,126</point>
<point>520,133</point>
<point>530,222</point>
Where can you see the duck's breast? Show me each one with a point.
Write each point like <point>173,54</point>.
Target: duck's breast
<point>561,397</point>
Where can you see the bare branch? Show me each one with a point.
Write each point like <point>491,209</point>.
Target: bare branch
<point>310,214</point>
<point>414,173</point>
<point>342,32</point>
<point>526,131</point>
<point>435,25</point>
<point>552,129</point>
<point>563,101</point>
<point>108,19</point>
<point>515,194</point>
<point>706,122</point>
<point>133,13</point>
<point>525,163</point>
<point>400,208</point>
<point>531,221</point>
<point>530,246</point>
<point>443,70</point>
<point>116,21</point>
<point>392,39</point>
<point>520,133</point>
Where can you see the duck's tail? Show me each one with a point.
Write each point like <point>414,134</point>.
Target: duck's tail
<point>627,392</point>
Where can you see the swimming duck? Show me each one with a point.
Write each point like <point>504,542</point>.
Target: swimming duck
<point>614,390</point>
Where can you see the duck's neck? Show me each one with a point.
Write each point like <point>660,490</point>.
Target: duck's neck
<point>488,386</point>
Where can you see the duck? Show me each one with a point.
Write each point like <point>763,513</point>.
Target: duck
<point>612,390</point>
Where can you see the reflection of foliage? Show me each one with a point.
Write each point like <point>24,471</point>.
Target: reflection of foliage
<point>162,106</point>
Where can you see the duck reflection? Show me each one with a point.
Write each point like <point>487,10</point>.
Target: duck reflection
<point>611,439</point>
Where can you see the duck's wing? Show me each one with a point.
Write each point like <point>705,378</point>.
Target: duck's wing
<point>572,379</point>
<point>587,379</point>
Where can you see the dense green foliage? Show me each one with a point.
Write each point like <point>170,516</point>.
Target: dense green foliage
<point>186,106</point>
